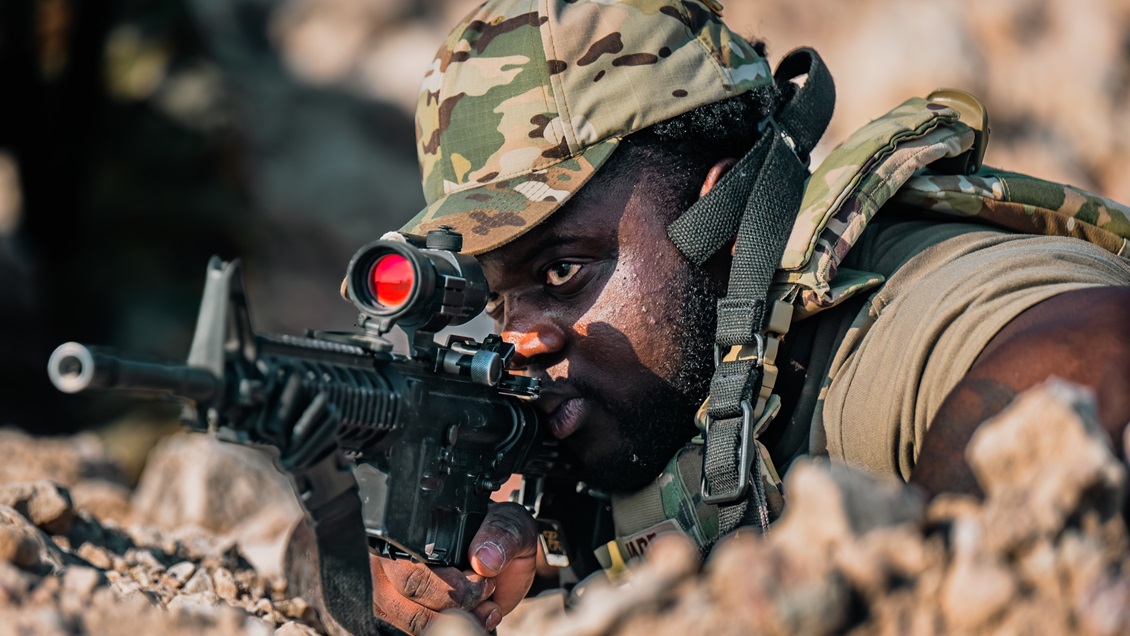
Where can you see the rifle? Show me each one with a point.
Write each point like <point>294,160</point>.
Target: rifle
<point>424,438</point>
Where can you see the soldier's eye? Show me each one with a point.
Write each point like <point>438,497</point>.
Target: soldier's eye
<point>560,273</point>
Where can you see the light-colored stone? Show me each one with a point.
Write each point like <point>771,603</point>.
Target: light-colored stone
<point>200,582</point>
<point>225,585</point>
<point>79,582</point>
<point>107,500</point>
<point>1039,460</point>
<point>97,556</point>
<point>291,628</point>
<point>143,558</point>
<point>17,548</point>
<point>978,587</point>
<point>48,553</point>
<point>181,572</point>
<point>46,504</point>
<point>195,480</point>
<point>63,460</point>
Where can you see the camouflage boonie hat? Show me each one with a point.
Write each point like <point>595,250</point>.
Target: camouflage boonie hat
<point>526,99</point>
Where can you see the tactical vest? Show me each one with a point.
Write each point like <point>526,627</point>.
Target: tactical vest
<point>922,159</point>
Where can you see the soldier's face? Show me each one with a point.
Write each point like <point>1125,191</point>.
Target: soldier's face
<point>618,325</point>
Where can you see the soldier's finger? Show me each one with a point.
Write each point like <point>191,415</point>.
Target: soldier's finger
<point>391,606</point>
<point>489,614</point>
<point>437,588</point>
<point>508,532</point>
<point>404,614</point>
<point>512,585</point>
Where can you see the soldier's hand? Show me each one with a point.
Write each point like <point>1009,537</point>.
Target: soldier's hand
<point>503,561</point>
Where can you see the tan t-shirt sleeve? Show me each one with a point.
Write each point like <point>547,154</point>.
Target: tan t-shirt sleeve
<point>950,288</point>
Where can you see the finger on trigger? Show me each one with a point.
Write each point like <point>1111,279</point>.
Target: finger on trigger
<point>480,589</point>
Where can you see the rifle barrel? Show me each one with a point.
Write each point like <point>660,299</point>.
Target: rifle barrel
<point>74,367</point>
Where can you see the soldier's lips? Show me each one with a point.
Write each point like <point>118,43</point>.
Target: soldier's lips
<point>566,418</point>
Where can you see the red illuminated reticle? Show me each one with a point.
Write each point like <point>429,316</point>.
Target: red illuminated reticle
<point>391,280</point>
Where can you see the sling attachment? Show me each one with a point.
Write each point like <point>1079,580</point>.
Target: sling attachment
<point>758,200</point>
<point>744,441</point>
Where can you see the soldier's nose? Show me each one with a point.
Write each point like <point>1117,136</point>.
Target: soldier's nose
<point>532,344</point>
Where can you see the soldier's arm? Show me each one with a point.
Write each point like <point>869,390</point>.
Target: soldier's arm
<point>1082,336</point>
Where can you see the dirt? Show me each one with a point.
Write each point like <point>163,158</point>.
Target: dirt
<point>1046,550</point>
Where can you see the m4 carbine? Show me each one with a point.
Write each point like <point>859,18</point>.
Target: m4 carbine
<point>423,438</point>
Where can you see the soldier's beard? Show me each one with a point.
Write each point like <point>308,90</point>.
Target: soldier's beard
<point>652,429</point>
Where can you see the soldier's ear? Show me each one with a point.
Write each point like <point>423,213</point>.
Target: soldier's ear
<point>717,171</point>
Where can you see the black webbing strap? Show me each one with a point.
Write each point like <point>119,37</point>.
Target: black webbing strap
<point>343,566</point>
<point>328,492</point>
<point>758,199</point>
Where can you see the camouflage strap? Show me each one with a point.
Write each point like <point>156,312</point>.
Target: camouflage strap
<point>758,199</point>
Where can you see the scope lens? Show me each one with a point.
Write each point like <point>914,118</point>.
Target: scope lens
<point>391,280</point>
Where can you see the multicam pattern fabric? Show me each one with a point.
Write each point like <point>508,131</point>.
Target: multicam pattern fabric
<point>1024,204</point>
<point>677,494</point>
<point>840,174</point>
<point>526,99</point>
<point>886,163</point>
<point>850,186</point>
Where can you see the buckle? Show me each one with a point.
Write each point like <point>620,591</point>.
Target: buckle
<point>745,460</point>
<point>972,113</point>
<point>742,351</point>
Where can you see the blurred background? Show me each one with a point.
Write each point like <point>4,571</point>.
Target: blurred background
<point>139,137</point>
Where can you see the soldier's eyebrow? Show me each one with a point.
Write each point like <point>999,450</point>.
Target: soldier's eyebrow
<point>553,240</point>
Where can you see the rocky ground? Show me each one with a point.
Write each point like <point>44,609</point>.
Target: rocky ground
<point>196,548</point>
<point>1046,550</point>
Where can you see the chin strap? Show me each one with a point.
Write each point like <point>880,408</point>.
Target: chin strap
<point>758,200</point>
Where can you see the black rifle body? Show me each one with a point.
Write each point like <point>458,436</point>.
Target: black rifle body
<point>428,438</point>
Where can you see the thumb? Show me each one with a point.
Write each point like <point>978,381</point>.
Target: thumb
<point>505,548</point>
<point>508,532</point>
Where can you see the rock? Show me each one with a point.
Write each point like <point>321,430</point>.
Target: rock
<point>225,584</point>
<point>1105,608</point>
<point>193,601</point>
<point>291,628</point>
<point>978,586</point>
<point>195,480</point>
<point>107,500</point>
<point>79,582</point>
<point>100,577</point>
<point>14,584</point>
<point>97,556</point>
<point>295,608</point>
<point>63,460</point>
<point>851,555</point>
<point>886,555</point>
<point>48,553</point>
<point>199,583</point>
<point>17,548</point>
<point>46,504</point>
<point>1039,461</point>
<point>143,558</point>
<point>263,608</point>
<point>38,621</point>
<point>181,572</point>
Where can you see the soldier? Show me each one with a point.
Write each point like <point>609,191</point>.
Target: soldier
<point>630,174</point>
